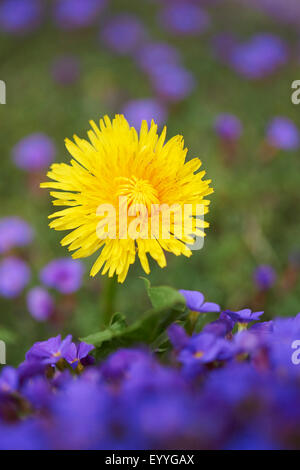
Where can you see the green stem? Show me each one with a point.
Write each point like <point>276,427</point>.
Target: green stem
<point>108,300</point>
<point>192,320</point>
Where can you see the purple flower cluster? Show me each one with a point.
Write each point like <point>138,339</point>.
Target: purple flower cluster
<point>147,109</point>
<point>170,81</point>
<point>14,276</point>
<point>76,14</point>
<point>264,277</point>
<point>254,59</point>
<point>216,389</point>
<point>20,16</point>
<point>123,34</point>
<point>40,303</point>
<point>63,275</point>
<point>34,152</point>
<point>14,232</point>
<point>184,18</point>
<point>283,134</point>
<point>228,127</point>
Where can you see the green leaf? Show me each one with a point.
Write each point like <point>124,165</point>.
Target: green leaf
<point>163,296</point>
<point>118,324</point>
<point>7,336</point>
<point>169,306</point>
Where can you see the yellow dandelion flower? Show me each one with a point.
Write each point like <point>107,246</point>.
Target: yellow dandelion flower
<point>136,175</point>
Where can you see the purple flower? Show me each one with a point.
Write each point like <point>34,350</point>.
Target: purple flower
<point>152,55</point>
<point>260,56</point>
<point>50,351</point>
<point>172,83</point>
<point>118,365</point>
<point>244,316</point>
<point>220,327</point>
<point>228,127</point>
<point>136,111</point>
<point>177,336</point>
<point>66,70</point>
<point>14,231</point>
<point>9,380</point>
<point>185,18</point>
<point>20,16</point>
<point>195,302</point>
<point>123,34</point>
<point>283,134</point>
<point>38,391</point>
<point>204,348</point>
<point>76,353</point>
<point>14,276</point>
<point>63,274</point>
<point>34,152</point>
<point>76,14</point>
<point>264,276</point>
<point>81,416</point>
<point>262,328</point>
<point>25,435</point>
<point>40,303</point>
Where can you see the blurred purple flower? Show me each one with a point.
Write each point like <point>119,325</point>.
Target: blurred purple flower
<point>204,348</point>
<point>20,16</point>
<point>178,336</point>
<point>155,54</point>
<point>9,380</point>
<point>123,34</point>
<point>244,316</point>
<point>50,351</point>
<point>260,56</point>
<point>76,14</point>
<point>195,302</point>
<point>184,18</point>
<point>14,231</point>
<point>172,83</point>
<point>14,276</point>
<point>262,328</point>
<point>66,70</point>
<point>26,435</point>
<point>220,327</point>
<point>144,109</point>
<point>40,303</point>
<point>264,276</point>
<point>38,391</point>
<point>117,366</point>
<point>63,274</point>
<point>283,134</point>
<point>34,152</point>
<point>228,127</point>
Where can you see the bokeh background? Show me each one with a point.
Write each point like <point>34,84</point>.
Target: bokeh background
<point>186,64</point>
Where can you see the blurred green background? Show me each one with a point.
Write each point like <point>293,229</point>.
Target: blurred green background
<point>254,213</point>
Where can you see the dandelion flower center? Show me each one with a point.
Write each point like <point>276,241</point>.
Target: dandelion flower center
<point>138,191</point>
